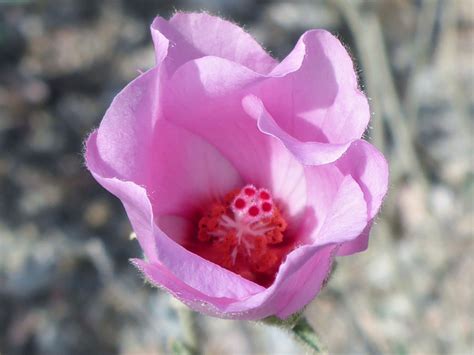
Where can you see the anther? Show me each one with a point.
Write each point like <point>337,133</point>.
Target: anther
<point>254,211</point>
<point>250,190</point>
<point>266,207</point>
<point>239,203</point>
<point>264,195</point>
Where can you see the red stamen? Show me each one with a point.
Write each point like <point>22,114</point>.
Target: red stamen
<point>249,191</point>
<point>254,211</point>
<point>249,242</point>
<point>266,207</point>
<point>239,203</point>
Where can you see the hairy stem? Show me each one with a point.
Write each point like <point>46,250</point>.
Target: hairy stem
<point>190,344</point>
<point>306,335</point>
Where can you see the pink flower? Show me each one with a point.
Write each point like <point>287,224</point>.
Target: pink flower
<point>242,177</point>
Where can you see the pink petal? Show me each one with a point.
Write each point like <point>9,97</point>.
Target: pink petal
<point>194,271</point>
<point>346,217</point>
<point>299,280</point>
<point>137,156</point>
<point>369,168</point>
<point>197,273</point>
<point>356,245</point>
<point>313,153</point>
<point>338,204</point>
<point>195,35</point>
<point>161,277</point>
<point>302,274</point>
<point>313,97</point>
<point>288,185</point>
<point>201,274</point>
<point>204,96</point>
<point>117,154</point>
<point>310,279</point>
<point>125,135</point>
<point>176,227</point>
<point>133,197</point>
<point>161,44</point>
<point>188,172</point>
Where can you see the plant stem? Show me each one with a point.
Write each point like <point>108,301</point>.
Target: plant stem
<point>190,343</point>
<point>306,335</point>
<point>189,325</point>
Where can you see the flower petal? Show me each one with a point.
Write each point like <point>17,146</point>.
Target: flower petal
<point>302,274</point>
<point>201,274</point>
<point>137,156</point>
<point>158,275</point>
<point>195,35</point>
<point>310,279</point>
<point>338,204</point>
<point>346,217</point>
<point>313,153</point>
<point>117,154</point>
<point>188,172</point>
<point>204,96</point>
<point>158,247</point>
<point>125,136</point>
<point>369,168</point>
<point>133,197</point>
<point>314,97</point>
<point>299,279</point>
<point>356,245</point>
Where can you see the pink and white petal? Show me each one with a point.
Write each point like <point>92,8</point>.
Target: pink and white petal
<point>159,276</point>
<point>337,204</point>
<point>195,35</point>
<point>304,271</point>
<point>133,197</point>
<point>347,216</point>
<point>196,272</point>
<point>311,153</point>
<point>204,96</point>
<point>357,245</point>
<point>161,44</point>
<point>288,185</point>
<point>124,138</point>
<point>299,279</point>
<point>323,184</point>
<point>176,227</point>
<point>313,95</point>
<point>201,274</point>
<point>369,168</point>
<point>188,172</point>
<point>247,300</point>
<point>310,279</point>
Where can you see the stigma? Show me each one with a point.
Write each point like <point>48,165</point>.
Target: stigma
<point>243,233</point>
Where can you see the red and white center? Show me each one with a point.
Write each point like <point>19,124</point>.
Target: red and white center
<point>244,233</point>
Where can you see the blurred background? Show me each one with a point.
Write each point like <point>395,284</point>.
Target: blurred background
<point>66,286</point>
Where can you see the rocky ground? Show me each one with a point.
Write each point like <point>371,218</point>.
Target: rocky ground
<point>66,286</point>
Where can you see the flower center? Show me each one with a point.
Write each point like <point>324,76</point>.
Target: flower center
<point>244,233</point>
